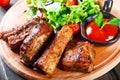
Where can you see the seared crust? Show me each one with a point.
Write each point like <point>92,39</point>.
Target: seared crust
<point>14,41</point>
<point>51,56</point>
<point>5,34</point>
<point>16,36</point>
<point>78,57</point>
<point>34,42</point>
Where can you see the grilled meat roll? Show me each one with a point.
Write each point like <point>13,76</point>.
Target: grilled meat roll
<point>78,57</point>
<point>15,36</point>
<point>51,56</point>
<point>34,42</point>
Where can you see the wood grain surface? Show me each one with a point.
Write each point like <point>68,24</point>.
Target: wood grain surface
<point>107,57</point>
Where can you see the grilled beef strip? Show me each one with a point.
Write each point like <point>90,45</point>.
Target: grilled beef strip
<point>34,42</point>
<point>78,57</point>
<point>15,37</point>
<point>51,56</point>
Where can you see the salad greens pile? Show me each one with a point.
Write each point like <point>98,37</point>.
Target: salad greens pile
<point>59,14</point>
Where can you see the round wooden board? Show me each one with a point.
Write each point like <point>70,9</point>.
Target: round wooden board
<point>106,58</point>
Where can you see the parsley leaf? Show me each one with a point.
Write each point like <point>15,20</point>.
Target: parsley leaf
<point>114,21</point>
<point>100,19</point>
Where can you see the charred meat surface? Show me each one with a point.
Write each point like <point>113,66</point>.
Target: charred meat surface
<point>51,56</point>
<point>78,57</point>
<point>34,42</point>
<point>16,36</point>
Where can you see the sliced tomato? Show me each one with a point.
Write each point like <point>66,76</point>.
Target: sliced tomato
<point>4,2</point>
<point>72,2</point>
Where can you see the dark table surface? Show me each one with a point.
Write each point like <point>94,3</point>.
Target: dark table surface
<point>7,74</point>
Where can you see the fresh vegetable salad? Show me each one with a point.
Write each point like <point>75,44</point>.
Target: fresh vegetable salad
<point>62,12</point>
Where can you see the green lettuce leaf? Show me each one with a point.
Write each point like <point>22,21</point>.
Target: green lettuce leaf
<point>59,14</point>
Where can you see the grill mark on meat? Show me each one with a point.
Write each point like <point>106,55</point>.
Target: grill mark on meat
<point>78,58</point>
<point>16,40</point>
<point>34,42</point>
<point>51,56</point>
<point>16,36</point>
<point>35,36</point>
<point>19,29</point>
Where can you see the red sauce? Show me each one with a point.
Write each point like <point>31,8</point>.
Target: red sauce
<point>107,33</point>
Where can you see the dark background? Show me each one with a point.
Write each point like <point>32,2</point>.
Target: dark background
<point>7,74</point>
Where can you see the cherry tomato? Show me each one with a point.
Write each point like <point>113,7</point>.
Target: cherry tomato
<point>75,27</point>
<point>4,2</point>
<point>108,32</point>
<point>71,2</point>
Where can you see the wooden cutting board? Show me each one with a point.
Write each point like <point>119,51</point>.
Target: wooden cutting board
<point>106,58</point>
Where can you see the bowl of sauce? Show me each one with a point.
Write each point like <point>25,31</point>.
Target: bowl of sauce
<point>107,33</point>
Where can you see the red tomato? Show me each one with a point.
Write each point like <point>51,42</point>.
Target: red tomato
<point>71,2</point>
<point>75,27</point>
<point>108,32</point>
<point>4,2</point>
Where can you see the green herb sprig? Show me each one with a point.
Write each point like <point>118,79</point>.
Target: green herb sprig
<point>100,21</point>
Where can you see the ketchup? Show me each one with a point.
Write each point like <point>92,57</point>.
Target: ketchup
<point>107,33</point>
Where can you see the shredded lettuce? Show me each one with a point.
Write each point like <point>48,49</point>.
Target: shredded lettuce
<point>59,14</point>
<point>31,12</point>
